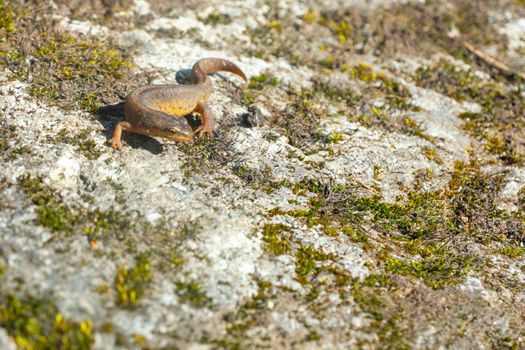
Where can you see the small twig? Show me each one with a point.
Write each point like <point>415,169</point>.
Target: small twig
<point>365,185</point>
<point>493,62</point>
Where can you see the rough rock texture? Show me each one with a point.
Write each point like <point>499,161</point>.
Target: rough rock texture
<point>366,188</point>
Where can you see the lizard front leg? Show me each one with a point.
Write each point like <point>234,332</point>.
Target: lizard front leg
<point>115,140</point>
<point>208,120</point>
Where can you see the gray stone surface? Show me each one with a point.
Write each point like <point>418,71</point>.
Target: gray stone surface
<point>224,214</point>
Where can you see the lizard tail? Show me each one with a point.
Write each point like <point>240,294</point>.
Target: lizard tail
<point>206,66</point>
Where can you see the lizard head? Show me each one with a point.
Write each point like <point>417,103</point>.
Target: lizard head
<point>173,128</point>
<point>179,130</point>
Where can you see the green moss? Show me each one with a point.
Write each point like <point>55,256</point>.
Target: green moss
<point>378,281</point>
<point>96,222</point>
<point>56,215</point>
<point>378,173</point>
<point>512,252</point>
<point>420,216</point>
<point>337,94</point>
<point>37,324</point>
<point>437,270</point>
<point>369,303</point>
<point>260,299</point>
<point>331,231</point>
<point>260,81</point>
<point>396,94</point>
<point>88,102</point>
<point>306,258</point>
<point>205,154</point>
<point>495,144</point>
<point>300,122</point>
<point>52,212</point>
<point>191,292</point>
<point>466,209</point>
<point>334,138</point>
<point>313,336</point>
<point>274,243</point>
<point>216,18</point>
<point>521,199</point>
<point>8,134</point>
<point>131,283</point>
<point>56,218</point>
<point>357,236</point>
<point>246,317</point>
<point>374,102</point>
<point>310,16</point>
<point>58,67</point>
<point>432,155</point>
<point>371,295</point>
<point>84,144</point>
<point>340,28</point>
<point>391,334</point>
<point>499,124</point>
<point>248,97</point>
<point>364,72</point>
<point>7,15</point>
<point>9,148</point>
<point>411,127</point>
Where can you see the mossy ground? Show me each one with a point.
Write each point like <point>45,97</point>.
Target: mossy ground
<point>427,236</point>
<point>499,125</point>
<point>35,323</point>
<point>418,250</point>
<point>61,69</point>
<point>130,283</point>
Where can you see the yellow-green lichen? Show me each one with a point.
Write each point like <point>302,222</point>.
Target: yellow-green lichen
<point>6,17</point>
<point>215,18</point>
<point>36,324</point>
<point>432,154</point>
<point>131,283</point>
<point>274,243</point>
<point>340,28</point>
<point>411,127</point>
<point>192,292</point>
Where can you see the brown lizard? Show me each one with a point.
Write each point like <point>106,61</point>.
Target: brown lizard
<point>158,110</point>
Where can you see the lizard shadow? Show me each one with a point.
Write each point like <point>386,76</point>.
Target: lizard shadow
<point>183,76</point>
<point>110,115</point>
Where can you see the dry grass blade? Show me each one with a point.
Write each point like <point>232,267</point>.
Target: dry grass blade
<point>493,62</point>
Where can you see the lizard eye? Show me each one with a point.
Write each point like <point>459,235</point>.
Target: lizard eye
<point>179,131</point>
